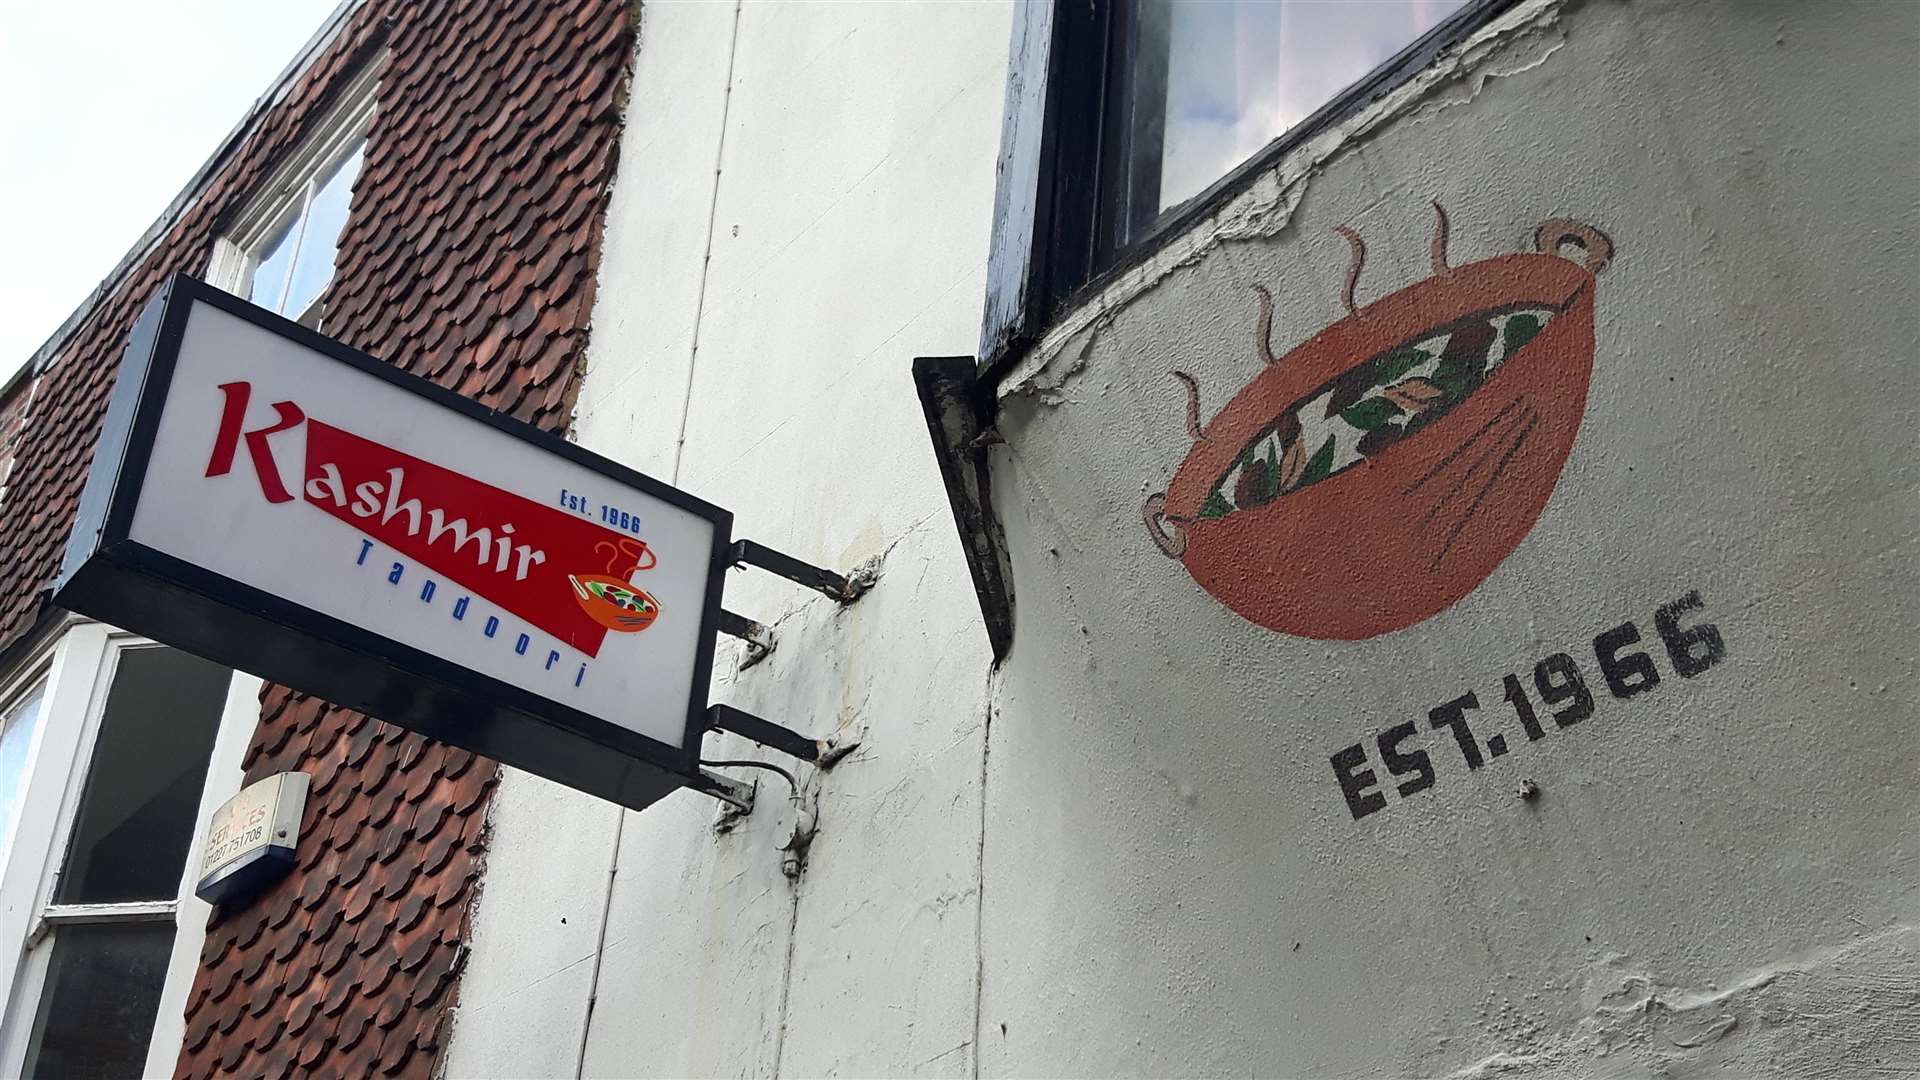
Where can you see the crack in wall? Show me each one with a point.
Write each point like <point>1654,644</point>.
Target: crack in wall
<point>686,409</point>
<point>980,876</point>
<point>706,256</point>
<point>786,978</point>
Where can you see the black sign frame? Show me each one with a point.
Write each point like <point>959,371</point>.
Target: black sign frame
<point>108,576</point>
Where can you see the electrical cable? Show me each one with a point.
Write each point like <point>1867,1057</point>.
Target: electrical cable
<point>792,781</point>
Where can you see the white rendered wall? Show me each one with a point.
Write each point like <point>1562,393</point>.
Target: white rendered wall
<point>1153,871</point>
<point>849,234</point>
<point>1719,876</point>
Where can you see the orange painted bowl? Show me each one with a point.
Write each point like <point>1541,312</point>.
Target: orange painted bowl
<point>1408,531</point>
<point>613,603</point>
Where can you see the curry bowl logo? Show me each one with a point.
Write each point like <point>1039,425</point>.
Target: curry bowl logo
<point>609,598</point>
<point>1380,471</point>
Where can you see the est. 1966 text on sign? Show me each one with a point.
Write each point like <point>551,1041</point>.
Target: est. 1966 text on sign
<point>269,498</point>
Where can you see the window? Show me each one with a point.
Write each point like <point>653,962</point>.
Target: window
<point>102,993</point>
<point>1208,85</point>
<point>1127,118</point>
<point>105,821</point>
<point>129,838</point>
<point>292,267</point>
<point>280,251</point>
<point>17,726</point>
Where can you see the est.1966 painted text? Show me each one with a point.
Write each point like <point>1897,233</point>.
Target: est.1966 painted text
<point>1626,668</point>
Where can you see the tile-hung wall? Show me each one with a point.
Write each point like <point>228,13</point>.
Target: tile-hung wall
<point>468,256</point>
<point>1187,828</point>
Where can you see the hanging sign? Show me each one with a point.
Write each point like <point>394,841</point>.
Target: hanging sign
<point>270,499</point>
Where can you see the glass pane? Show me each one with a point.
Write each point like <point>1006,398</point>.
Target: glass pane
<point>101,996</point>
<point>1239,73</point>
<point>16,735</point>
<point>326,216</point>
<point>137,818</point>
<point>270,275</point>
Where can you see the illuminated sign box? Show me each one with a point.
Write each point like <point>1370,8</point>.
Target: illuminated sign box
<point>268,498</point>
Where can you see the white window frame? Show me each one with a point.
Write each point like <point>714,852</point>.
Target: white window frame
<point>78,669</point>
<point>28,682</point>
<point>288,191</point>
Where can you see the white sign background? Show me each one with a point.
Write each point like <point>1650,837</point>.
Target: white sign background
<point>640,681</point>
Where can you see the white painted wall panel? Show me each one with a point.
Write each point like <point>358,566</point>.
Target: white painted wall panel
<point>850,234</point>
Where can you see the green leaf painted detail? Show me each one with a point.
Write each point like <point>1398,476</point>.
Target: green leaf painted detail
<point>1319,465</point>
<point>1457,378</point>
<point>1216,506</point>
<point>623,598</point>
<point>1391,367</point>
<point>1520,330</point>
<point>1370,413</point>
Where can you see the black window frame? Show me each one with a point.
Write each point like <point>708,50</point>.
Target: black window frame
<point>1056,237</point>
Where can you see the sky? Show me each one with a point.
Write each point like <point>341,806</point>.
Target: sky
<point>1239,74</point>
<point>107,109</point>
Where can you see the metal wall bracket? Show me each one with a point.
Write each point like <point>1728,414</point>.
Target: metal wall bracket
<point>758,636</point>
<point>958,412</point>
<point>825,582</point>
<point>765,732</point>
<point>735,793</point>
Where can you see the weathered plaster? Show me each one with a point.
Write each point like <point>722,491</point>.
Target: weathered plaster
<point>1197,898</point>
<point>1840,1011</point>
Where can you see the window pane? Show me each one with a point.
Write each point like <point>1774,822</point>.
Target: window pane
<point>16,735</point>
<point>1239,73</point>
<point>270,275</point>
<point>326,216</point>
<point>102,993</point>
<point>137,818</point>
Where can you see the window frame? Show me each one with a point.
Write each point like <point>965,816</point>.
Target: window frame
<point>76,671</point>
<point>29,682</point>
<point>1055,243</point>
<point>288,192</point>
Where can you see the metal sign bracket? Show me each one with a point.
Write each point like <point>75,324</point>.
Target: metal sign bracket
<point>771,735</point>
<point>759,636</point>
<point>823,753</point>
<point>760,643</point>
<point>825,582</point>
<point>735,793</point>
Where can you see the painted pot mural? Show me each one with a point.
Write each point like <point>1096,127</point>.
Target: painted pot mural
<point>1379,471</point>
